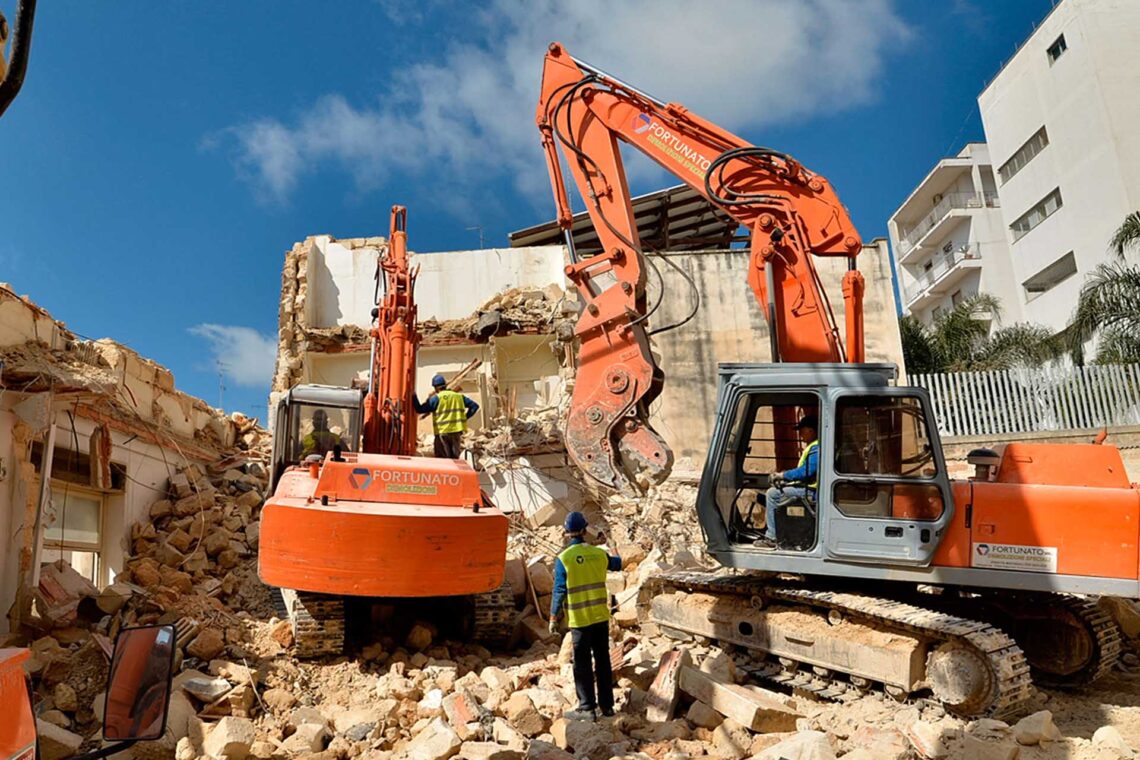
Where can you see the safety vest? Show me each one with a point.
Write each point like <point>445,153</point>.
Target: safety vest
<point>450,415</point>
<point>319,442</point>
<point>813,446</point>
<point>586,594</point>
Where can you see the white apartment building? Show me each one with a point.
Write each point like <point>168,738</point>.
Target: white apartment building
<point>949,239</point>
<point>1028,213</point>
<point>1062,121</point>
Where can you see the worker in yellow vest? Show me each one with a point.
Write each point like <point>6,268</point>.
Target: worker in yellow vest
<point>580,586</point>
<point>450,411</point>
<point>798,483</point>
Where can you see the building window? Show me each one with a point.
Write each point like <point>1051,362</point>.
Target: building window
<point>1051,276</point>
<point>1034,216</point>
<point>1057,49</point>
<point>1024,155</point>
<point>956,298</point>
<point>74,530</point>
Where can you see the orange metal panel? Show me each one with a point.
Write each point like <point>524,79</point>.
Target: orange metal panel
<point>954,551</point>
<point>1062,464</point>
<point>382,478</point>
<point>355,548</point>
<point>17,727</point>
<point>1094,531</point>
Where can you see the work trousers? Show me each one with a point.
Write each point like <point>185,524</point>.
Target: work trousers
<point>592,659</point>
<point>773,499</point>
<point>449,445</point>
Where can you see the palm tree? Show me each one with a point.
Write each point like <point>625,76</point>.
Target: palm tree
<point>1109,305</point>
<point>960,340</point>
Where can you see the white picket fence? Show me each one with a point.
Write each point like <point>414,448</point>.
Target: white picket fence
<point>1033,400</point>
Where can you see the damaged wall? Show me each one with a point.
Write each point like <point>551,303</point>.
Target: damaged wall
<point>329,290</point>
<point>324,285</point>
<point>142,425</point>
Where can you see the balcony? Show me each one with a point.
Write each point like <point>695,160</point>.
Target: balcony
<point>912,237</point>
<point>946,270</point>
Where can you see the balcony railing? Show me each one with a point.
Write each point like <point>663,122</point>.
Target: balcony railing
<point>911,235</point>
<point>942,265</point>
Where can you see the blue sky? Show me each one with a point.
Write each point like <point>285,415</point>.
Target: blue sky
<point>162,157</point>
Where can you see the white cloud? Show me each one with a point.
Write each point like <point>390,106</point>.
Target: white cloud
<point>744,64</point>
<point>244,355</point>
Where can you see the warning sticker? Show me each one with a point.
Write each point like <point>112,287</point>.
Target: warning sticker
<point>1033,559</point>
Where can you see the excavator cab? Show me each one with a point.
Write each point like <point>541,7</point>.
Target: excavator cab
<point>882,494</point>
<point>313,420</point>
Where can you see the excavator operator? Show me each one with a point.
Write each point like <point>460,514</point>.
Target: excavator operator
<point>321,440</point>
<point>450,411</point>
<point>805,478</point>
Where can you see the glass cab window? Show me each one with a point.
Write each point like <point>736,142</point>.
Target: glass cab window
<point>317,429</point>
<point>761,440</point>
<point>882,457</point>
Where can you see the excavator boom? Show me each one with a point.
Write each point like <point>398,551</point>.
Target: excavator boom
<point>389,419</point>
<point>791,213</point>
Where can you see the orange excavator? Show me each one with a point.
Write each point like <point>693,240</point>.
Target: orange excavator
<point>356,514</point>
<point>884,573</point>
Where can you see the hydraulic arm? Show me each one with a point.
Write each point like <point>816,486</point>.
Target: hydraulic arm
<point>389,419</point>
<point>791,213</point>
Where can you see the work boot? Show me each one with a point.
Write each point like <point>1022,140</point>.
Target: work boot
<point>579,714</point>
<point>607,712</point>
<point>764,543</point>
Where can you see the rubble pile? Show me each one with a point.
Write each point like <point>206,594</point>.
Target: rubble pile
<point>533,431</point>
<point>193,565</point>
<point>518,310</point>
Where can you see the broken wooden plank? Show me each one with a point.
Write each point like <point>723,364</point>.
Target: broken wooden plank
<point>663,694</point>
<point>750,707</point>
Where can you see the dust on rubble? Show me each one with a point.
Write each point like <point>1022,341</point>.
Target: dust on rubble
<point>401,695</point>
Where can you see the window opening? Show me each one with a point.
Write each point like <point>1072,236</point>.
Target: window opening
<point>1034,216</point>
<point>1051,276</point>
<point>1057,49</point>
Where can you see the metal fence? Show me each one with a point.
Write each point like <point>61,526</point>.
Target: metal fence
<point>1033,400</point>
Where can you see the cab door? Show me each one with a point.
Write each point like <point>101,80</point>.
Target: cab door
<point>884,492</point>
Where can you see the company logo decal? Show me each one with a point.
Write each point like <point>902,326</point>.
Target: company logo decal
<point>641,123</point>
<point>360,478</point>
<point>983,549</point>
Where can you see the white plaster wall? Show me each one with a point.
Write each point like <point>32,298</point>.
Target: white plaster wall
<point>1087,102</point>
<point>342,284</point>
<point>454,284</point>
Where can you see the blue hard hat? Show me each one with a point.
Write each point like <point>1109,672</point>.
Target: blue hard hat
<point>438,381</point>
<point>575,522</point>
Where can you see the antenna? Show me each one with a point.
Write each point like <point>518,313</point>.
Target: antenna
<point>220,366</point>
<point>480,229</point>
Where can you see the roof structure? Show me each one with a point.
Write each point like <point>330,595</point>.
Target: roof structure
<point>674,219</point>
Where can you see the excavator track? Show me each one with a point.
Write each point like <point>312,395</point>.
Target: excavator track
<point>1069,641</point>
<point>972,668</point>
<point>318,623</point>
<point>493,623</point>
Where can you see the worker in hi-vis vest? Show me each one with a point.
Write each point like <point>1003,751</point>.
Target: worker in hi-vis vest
<point>450,411</point>
<point>580,586</point>
<point>794,484</point>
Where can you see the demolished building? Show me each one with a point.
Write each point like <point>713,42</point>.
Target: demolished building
<point>513,309</point>
<point>90,433</point>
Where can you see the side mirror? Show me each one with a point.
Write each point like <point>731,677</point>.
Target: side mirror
<point>138,694</point>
